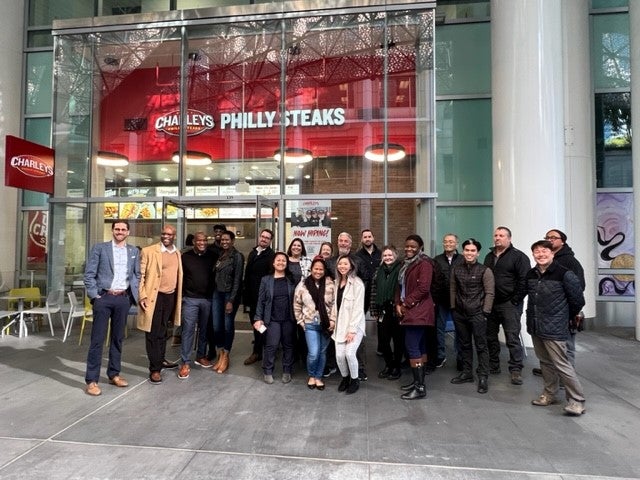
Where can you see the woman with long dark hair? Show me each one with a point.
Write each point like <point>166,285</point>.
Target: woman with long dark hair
<point>274,317</point>
<point>350,322</point>
<point>312,306</point>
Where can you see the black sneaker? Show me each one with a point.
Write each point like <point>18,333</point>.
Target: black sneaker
<point>429,368</point>
<point>362,376</point>
<point>441,362</point>
<point>328,371</point>
<point>384,373</point>
<point>353,386</point>
<point>344,384</point>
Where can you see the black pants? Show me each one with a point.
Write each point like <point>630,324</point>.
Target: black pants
<point>391,331</point>
<point>278,333</point>
<point>468,329</point>
<point>156,339</point>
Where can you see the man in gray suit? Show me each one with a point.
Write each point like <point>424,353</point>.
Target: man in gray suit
<point>111,278</point>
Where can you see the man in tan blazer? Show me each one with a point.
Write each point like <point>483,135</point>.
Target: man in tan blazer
<point>160,297</point>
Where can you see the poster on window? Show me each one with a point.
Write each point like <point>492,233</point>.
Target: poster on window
<point>310,220</point>
<point>37,242</point>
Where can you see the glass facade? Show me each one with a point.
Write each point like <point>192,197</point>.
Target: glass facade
<point>329,118</point>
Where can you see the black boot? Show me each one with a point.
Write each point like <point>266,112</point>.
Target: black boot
<point>344,384</point>
<point>419,390</point>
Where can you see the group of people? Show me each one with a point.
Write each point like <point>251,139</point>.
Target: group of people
<point>316,307</point>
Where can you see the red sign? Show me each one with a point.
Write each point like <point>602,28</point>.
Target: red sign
<point>37,242</point>
<point>28,165</point>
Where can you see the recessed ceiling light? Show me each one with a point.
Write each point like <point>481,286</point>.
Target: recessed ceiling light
<point>164,169</point>
<point>248,177</point>
<point>119,170</point>
<point>291,177</point>
<point>307,177</point>
<point>206,179</point>
<point>167,179</point>
<point>208,168</point>
<point>127,180</point>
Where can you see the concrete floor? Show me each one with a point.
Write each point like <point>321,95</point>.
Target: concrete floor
<point>235,426</point>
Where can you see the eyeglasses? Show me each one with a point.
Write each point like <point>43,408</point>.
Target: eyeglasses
<point>552,238</point>
<point>166,234</point>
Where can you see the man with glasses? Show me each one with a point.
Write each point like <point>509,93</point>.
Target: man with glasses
<point>258,265</point>
<point>563,255</point>
<point>111,279</point>
<point>160,297</point>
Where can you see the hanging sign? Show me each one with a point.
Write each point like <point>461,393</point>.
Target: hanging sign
<point>28,165</point>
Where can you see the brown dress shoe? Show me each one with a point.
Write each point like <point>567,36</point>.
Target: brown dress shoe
<point>184,372</point>
<point>155,378</point>
<point>204,362</point>
<point>93,389</point>
<point>118,381</point>
<point>251,359</point>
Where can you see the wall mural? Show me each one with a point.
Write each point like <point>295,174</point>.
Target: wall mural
<point>615,243</point>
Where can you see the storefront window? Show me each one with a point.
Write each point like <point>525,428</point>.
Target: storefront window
<point>465,221</point>
<point>38,88</point>
<point>313,106</point>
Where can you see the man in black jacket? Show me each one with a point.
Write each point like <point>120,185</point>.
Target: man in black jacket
<point>510,267</point>
<point>555,296</point>
<point>258,265</point>
<point>448,259</point>
<point>563,255</point>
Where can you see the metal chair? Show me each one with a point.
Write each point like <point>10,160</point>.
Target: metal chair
<point>88,317</point>
<point>76,310</point>
<point>23,297</point>
<point>14,317</point>
<point>53,304</point>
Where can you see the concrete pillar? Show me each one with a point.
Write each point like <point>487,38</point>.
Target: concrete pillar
<point>579,162</point>
<point>527,119</point>
<point>634,29</point>
<point>11,36</point>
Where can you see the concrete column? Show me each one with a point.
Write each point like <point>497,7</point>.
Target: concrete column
<point>11,36</point>
<point>634,29</point>
<point>579,162</point>
<point>527,119</point>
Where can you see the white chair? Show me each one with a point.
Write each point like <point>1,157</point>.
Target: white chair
<point>53,304</point>
<point>76,310</point>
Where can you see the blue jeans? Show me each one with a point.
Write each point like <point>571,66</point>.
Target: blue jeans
<point>224,327</point>
<point>195,312</point>
<point>317,342</point>
<point>107,308</point>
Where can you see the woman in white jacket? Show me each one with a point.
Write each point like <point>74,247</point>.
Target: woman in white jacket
<point>350,323</point>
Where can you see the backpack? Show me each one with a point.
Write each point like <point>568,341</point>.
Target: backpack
<point>439,285</point>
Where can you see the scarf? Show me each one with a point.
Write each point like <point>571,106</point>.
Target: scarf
<point>386,282</point>
<point>317,295</point>
<point>405,266</point>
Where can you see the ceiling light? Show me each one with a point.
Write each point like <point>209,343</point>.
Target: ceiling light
<point>193,158</point>
<point>376,152</point>
<point>294,155</point>
<point>111,159</point>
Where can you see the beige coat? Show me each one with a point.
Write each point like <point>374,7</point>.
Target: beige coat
<point>150,272</point>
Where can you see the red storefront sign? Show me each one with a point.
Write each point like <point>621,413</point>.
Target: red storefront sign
<point>28,165</point>
<point>140,117</point>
